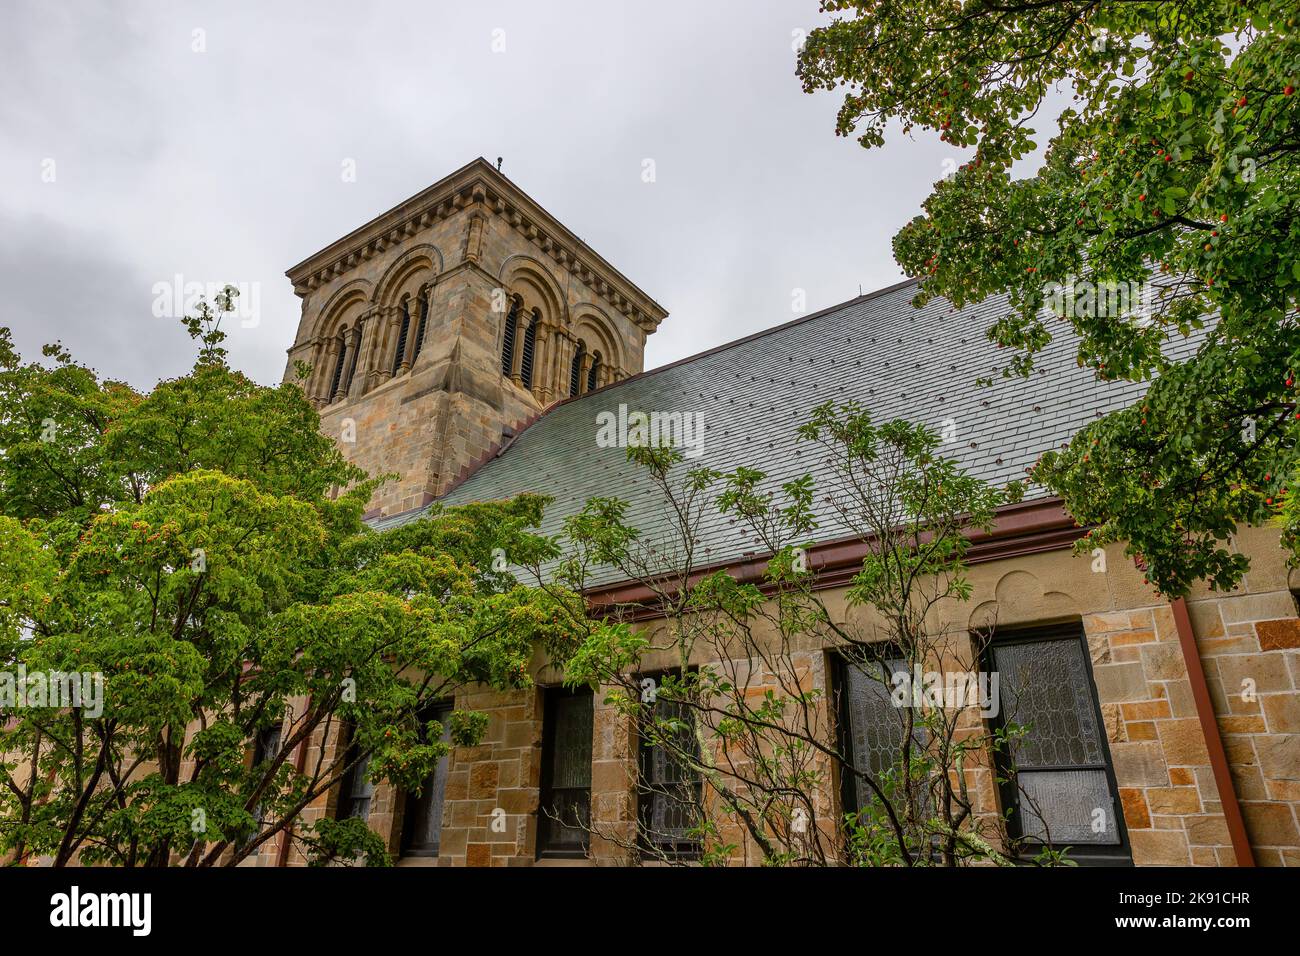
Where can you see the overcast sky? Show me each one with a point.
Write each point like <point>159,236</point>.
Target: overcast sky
<point>217,155</point>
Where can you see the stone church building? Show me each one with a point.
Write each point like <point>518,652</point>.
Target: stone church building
<point>467,341</point>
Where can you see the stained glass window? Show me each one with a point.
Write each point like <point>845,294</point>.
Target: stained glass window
<point>565,816</point>
<point>670,790</point>
<point>355,790</point>
<point>875,726</point>
<point>422,827</point>
<point>1063,793</point>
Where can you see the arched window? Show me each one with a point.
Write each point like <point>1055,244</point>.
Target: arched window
<point>508,339</point>
<point>593,371</point>
<point>575,370</point>
<point>337,378</point>
<point>530,350</point>
<point>401,336</point>
<point>419,327</point>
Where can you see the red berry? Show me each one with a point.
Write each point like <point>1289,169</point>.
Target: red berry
<point>1242,101</point>
<point>1288,91</point>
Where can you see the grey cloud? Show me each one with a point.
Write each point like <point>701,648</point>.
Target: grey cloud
<point>225,165</point>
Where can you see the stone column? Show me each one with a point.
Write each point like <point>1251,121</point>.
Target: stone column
<point>354,353</point>
<point>423,306</point>
<point>369,329</point>
<point>560,363</point>
<point>542,355</point>
<point>391,321</point>
<point>313,384</point>
<point>342,349</point>
<point>330,357</point>
<point>587,359</point>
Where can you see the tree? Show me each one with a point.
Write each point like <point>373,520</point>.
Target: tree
<point>1178,158</point>
<point>178,584</point>
<point>723,681</point>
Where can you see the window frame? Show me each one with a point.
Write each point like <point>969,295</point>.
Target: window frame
<point>683,850</point>
<point>1119,854</point>
<point>545,824</point>
<point>260,755</point>
<point>437,710</point>
<point>848,792</point>
<point>348,784</point>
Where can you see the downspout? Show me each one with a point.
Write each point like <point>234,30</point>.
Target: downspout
<point>1213,738</point>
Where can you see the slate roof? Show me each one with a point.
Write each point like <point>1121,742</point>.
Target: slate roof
<point>897,361</point>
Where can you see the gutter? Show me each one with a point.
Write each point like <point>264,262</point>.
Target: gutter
<point>1027,527</point>
<point>1213,737</point>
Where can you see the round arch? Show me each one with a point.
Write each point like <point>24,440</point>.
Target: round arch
<point>424,258</point>
<point>340,304</point>
<point>523,275</point>
<point>592,324</point>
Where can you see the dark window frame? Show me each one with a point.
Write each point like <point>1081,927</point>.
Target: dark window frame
<point>261,754</point>
<point>882,653</point>
<point>1008,790</point>
<point>685,849</point>
<point>547,827</point>
<point>438,710</point>
<point>351,784</point>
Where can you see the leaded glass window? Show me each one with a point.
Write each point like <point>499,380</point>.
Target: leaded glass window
<point>1063,793</point>
<point>422,827</point>
<point>266,745</point>
<point>670,791</point>
<point>874,726</point>
<point>565,817</point>
<point>355,790</point>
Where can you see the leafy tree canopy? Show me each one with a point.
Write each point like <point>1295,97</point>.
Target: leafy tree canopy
<point>184,547</point>
<point>1175,171</point>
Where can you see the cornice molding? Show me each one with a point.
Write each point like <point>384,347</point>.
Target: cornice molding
<point>479,183</point>
<point>1024,528</point>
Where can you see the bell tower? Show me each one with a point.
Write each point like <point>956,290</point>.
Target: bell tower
<point>435,329</point>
